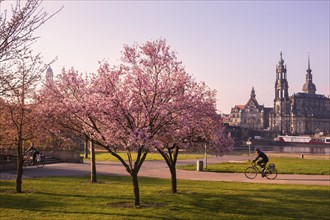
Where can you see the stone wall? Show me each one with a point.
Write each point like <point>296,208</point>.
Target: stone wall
<point>9,162</point>
<point>65,156</point>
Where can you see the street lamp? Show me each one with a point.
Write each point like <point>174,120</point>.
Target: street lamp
<point>205,158</point>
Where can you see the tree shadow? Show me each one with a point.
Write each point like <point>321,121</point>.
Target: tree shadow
<point>12,201</point>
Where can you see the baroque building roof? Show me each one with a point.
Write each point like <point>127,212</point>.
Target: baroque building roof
<point>251,102</point>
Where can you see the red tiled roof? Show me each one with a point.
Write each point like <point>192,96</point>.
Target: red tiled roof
<point>242,107</point>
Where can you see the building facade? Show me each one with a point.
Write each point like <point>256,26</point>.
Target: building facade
<point>251,115</point>
<point>302,113</point>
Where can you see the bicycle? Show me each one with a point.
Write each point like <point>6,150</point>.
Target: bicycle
<point>252,171</point>
<point>39,160</point>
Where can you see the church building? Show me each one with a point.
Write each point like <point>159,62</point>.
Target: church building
<point>302,113</point>
<point>251,115</point>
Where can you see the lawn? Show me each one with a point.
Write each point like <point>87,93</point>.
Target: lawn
<point>105,156</point>
<point>112,197</point>
<point>284,165</point>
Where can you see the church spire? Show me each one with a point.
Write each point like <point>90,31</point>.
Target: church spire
<point>309,87</point>
<point>281,83</point>
<point>49,76</point>
<point>253,93</point>
<point>309,68</point>
<point>281,61</point>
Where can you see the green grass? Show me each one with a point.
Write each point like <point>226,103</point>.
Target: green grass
<point>105,156</point>
<point>76,198</point>
<point>283,165</point>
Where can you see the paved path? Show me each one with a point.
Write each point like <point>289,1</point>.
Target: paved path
<point>159,169</point>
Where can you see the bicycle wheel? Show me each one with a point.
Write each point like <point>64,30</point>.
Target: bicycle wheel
<point>40,164</point>
<point>271,173</point>
<point>40,161</point>
<point>251,172</point>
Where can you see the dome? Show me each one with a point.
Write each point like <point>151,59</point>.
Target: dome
<point>309,88</point>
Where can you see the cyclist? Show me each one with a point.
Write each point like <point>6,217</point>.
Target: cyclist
<point>264,160</point>
<point>35,152</point>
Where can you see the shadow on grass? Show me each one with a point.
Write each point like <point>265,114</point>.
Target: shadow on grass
<point>107,215</point>
<point>304,179</point>
<point>130,204</point>
<point>195,200</point>
<point>5,183</point>
<point>12,201</point>
<point>79,196</point>
<point>276,203</point>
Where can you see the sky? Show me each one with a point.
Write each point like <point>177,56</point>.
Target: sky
<point>231,45</point>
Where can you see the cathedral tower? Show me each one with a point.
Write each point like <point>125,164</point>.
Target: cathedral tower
<point>281,83</point>
<point>281,112</point>
<point>309,87</point>
<point>49,76</point>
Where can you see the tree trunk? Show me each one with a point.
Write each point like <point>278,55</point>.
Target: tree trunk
<point>19,166</point>
<point>173,178</point>
<point>136,189</point>
<point>86,151</point>
<point>19,174</point>
<point>93,163</point>
<point>170,158</point>
<point>133,170</point>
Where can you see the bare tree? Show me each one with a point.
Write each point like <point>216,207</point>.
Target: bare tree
<point>18,108</point>
<point>20,71</point>
<point>17,26</point>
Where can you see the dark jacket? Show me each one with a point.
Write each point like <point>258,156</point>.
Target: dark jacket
<point>262,155</point>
